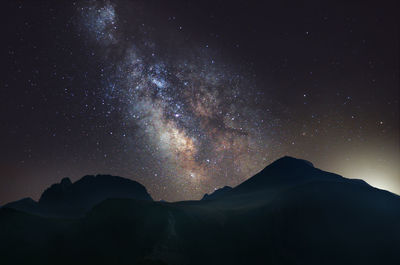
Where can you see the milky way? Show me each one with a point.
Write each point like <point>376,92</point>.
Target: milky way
<point>185,109</point>
<point>189,96</point>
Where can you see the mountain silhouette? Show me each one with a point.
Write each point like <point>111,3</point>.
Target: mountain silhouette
<point>288,213</point>
<point>217,193</point>
<point>285,173</point>
<point>74,199</point>
<point>24,205</point>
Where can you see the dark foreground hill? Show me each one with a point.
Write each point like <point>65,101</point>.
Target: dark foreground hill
<point>289,213</point>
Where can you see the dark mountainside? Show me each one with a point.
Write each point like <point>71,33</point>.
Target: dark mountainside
<point>66,199</point>
<point>289,213</point>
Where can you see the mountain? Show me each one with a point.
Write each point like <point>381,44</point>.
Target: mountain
<point>289,213</point>
<point>75,199</point>
<point>24,205</point>
<point>216,194</point>
<point>283,174</point>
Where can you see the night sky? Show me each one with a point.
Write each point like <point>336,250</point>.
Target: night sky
<point>189,96</point>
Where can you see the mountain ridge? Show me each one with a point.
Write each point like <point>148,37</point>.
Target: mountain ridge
<point>75,199</point>
<point>288,213</point>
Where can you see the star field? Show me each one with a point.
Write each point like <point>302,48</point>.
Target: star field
<point>187,97</point>
<point>189,110</point>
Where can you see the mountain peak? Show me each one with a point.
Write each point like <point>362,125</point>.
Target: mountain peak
<point>217,193</point>
<point>71,199</point>
<point>288,161</point>
<point>98,186</point>
<point>65,182</point>
<point>283,171</point>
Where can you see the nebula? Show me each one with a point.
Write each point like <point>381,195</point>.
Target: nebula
<point>188,111</point>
